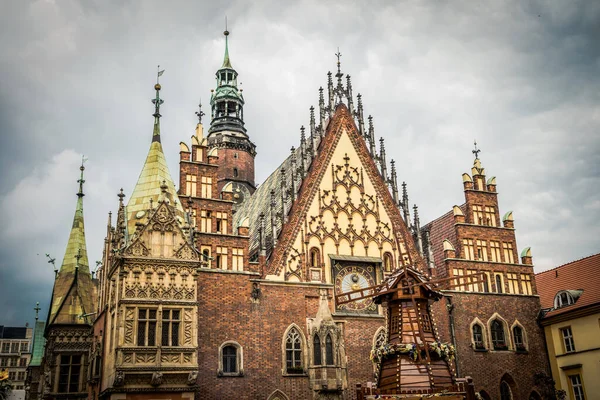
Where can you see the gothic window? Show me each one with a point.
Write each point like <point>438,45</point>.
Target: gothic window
<point>563,299</point>
<point>468,249</point>
<point>237,259</point>
<point>206,187</point>
<point>314,257</point>
<point>146,327</point>
<point>478,337</point>
<point>508,252</point>
<point>190,184</point>
<point>222,223</point>
<point>490,216</point>
<point>329,350</point>
<point>498,337</point>
<point>495,247</point>
<point>170,327</point>
<point>505,393</point>
<point>518,338</point>
<point>513,283</point>
<point>293,352</point>
<point>388,264</point>
<point>499,283</point>
<point>317,358</point>
<point>235,172</point>
<point>230,359</point>
<point>526,284</point>
<point>569,343</point>
<point>69,372</point>
<point>380,338</point>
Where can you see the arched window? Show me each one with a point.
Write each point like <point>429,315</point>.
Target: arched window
<point>505,393</point>
<point>388,265</point>
<point>317,359</point>
<point>518,338</point>
<point>498,284</point>
<point>563,299</point>
<point>484,395</point>
<point>329,351</point>
<point>380,338</point>
<point>314,257</point>
<point>230,359</point>
<point>498,338</point>
<point>478,337</point>
<point>293,352</point>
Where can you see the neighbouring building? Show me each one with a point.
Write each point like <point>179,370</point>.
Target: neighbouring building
<point>492,322</point>
<point>15,353</point>
<point>221,288</point>
<point>570,296</point>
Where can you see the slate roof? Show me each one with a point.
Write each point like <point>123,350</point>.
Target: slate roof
<point>260,202</point>
<point>582,274</point>
<point>39,342</point>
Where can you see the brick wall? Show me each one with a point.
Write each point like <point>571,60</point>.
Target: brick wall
<point>227,312</point>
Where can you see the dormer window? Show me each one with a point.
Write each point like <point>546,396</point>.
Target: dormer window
<point>564,298</point>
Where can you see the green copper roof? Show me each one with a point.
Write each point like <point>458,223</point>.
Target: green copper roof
<point>39,342</point>
<point>226,61</point>
<point>73,278</point>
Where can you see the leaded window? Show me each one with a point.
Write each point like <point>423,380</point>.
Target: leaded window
<point>329,350</point>
<point>293,352</point>
<point>146,332</point>
<point>229,359</point>
<point>317,358</point>
<point>498,338</point>
<point>518,338</point>
<point>170,327</point>
<point>478,336</point>
<point>69,373</point>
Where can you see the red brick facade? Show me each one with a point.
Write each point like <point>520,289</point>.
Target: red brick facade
<point>478,241</point>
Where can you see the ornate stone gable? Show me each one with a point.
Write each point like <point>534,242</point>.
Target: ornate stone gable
<point>343,208</point>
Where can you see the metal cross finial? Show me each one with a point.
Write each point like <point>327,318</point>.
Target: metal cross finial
<point>338,55</point>
<point>476,151</point>
<point>37,310</point>
<point>81,181</point>
<point>200,113</point>
<point>121,196</point>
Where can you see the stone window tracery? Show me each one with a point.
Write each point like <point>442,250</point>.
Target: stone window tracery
<point>478,337</point>
<point>388,263</point>
<point>317,357</point>
<point>293,352</point>
<point>314,257</point>
<point>329,350</point>
<point>505,393</point>
<point>498,335</point>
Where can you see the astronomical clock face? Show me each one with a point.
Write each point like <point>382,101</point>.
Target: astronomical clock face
<point>240,192</point>
<point>351,276</point>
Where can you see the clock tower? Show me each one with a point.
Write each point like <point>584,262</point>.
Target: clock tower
<point>228,135</point>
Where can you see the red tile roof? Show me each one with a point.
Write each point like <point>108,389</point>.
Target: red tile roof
<point>581,274</point>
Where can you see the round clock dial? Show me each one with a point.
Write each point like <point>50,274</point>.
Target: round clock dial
<point>353,278</point>
<point>240,192</point>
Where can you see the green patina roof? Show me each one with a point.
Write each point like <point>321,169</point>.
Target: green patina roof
<point>73,278</point>
<point>226,60</point>
<point>39,342</point>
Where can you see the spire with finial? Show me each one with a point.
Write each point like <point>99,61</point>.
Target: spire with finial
<point>81,181</point>
<point>331,106</point>
<point>349,94</point>
<point>157,101</point>
<point>294,169</point>
<point>405,206</point>
<point>372,137</point>
<point>226,60</point>
<point>283,190</point>
<point>394,182</point>
<point>302,152</point>
<point>313,136</point>
<point>321,112</point>
<point>382,160</point>
<point>417,229</point>
<point>360,116</point>
<point>273,218</point>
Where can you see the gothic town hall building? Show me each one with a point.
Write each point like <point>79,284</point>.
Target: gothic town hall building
<point>214,287</point>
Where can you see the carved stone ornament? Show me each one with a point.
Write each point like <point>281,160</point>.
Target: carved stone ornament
<point>157,379</point>
<point>192,376</point>
<point>119,379</point>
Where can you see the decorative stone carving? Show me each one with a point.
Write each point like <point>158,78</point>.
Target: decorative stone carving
<point>157,379</point>
<point>192,377</point>
<point>119,379</point>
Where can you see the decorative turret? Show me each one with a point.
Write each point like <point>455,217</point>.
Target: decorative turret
<point>227,131</point>
<point>73,292</point>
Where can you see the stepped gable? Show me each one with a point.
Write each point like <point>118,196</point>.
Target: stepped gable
<point>440,229</point>
<point>581,275</point>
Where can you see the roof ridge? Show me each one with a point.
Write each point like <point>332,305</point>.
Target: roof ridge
<point>570,262</point>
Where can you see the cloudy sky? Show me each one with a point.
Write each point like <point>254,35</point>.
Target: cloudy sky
<point>521,77</point>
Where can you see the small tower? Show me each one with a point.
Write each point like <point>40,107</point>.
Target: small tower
<point>227,132</point>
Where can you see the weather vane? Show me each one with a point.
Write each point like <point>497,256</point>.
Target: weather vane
<point>476,151</point>
<point>52,261</point>
<point>159,73</point>
<point>200,113</point>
